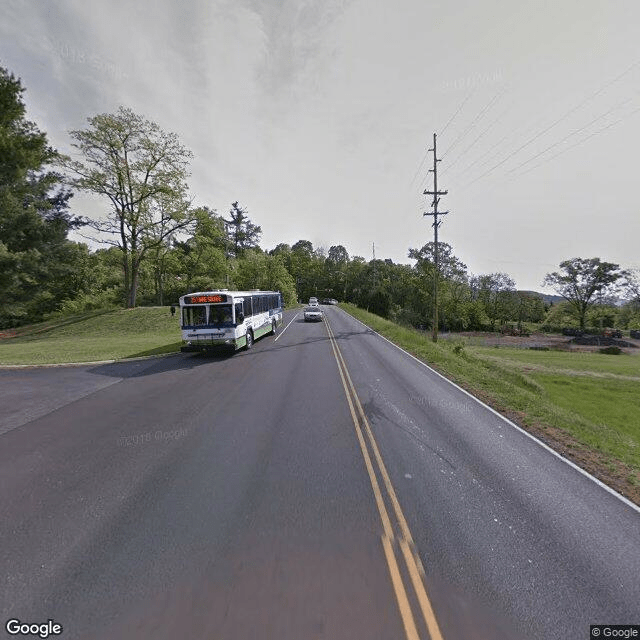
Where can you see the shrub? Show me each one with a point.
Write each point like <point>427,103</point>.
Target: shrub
<point>106,299</point>
<point>613,351</point>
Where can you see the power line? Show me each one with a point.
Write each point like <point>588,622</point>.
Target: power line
<point>556,122</point>
<point>426,153</point>
<point>451,119</point>
<point>461,155</point>
<point>595,133</point>
<point>457,112</point>
<point>495,149</point>
<point>473,122</point>
<point>573,133</point>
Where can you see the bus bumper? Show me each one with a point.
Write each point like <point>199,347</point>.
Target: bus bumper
<point>202,346</point>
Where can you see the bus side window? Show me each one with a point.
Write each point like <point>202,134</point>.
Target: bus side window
<point>239,313</point>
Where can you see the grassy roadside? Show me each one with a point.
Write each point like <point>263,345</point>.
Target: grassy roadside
<point>102,335</point>
<point>586,406</point>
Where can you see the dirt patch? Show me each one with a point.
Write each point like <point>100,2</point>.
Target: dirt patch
<point>603,341</point>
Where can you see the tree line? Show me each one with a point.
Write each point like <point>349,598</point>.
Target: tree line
<point>159,246</point>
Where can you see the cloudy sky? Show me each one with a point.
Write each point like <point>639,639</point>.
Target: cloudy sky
<point>317,114</point>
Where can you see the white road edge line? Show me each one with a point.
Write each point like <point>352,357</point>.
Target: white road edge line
<point>513,424</point>
<point>282,332</point>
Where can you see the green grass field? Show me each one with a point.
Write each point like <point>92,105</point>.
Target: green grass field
<point>107,335</point>
<point>601,391</point>
<point>622,365</point>
<point>591,397</point>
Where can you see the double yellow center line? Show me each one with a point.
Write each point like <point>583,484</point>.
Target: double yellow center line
<point>396,533</point>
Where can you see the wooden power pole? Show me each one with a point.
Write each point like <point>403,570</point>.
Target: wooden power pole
<point>436,223</point>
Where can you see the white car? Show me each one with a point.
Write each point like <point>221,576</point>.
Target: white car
<point>313,302</point>
<point>313,313</point>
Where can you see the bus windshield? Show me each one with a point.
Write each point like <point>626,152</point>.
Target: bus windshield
<point>194,316</point>
<point>220,314</point>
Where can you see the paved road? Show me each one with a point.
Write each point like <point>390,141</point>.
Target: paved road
<point>321,485</point>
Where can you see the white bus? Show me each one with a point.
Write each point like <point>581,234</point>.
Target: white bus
<point>231,319</point>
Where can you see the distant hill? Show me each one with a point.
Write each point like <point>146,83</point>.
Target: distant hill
<point>547,298</point>
<point>551,299</point>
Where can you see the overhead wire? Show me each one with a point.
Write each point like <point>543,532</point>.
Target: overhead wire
<point>573,133</point>
<point>473,122</point>
<point>451,119</point>
<point>595,133</point>
<point>419,167</point>
<point>461,155</point>
<point>494,150</point>
<point>556,122</point>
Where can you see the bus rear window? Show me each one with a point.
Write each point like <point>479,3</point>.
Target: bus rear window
<point>194,316</point>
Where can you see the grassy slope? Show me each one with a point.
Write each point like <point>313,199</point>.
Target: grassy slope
<point>107,335</point>
<point>586,405</point>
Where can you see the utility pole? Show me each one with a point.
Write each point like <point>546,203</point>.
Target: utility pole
<point>436,223</point>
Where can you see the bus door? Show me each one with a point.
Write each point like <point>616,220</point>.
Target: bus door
<point>239,313</point>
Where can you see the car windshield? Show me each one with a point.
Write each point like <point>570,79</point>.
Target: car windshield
<point>312,310</point>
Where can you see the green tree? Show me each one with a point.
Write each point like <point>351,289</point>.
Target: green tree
<point>304,269</point>
<point>529,307</point>
<point>243,234</point>
<point>36,259</point>
<point>632,286</point>
<point>581,281</point>
<point>452,279</point>
<point>202,259</point>
<point>263,271</point>
<point>142,171</point>
<point>337,255</point>
<point>496,293</point>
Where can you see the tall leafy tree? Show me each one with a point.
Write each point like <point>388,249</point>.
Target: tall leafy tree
<point>632,287</point>
<point>304,269</point>
<point>582,281</point>
<point>497,294</point>
<point>36,263</point>
<point>263,271</point>
<point>452,279</point>
<point>142,171</point>
<point>337,255</point>
<point>448,264</point>
<point>243,234</point>
<point>202,258</point>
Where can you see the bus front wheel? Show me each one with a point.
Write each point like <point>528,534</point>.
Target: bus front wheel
<point>249,340</point>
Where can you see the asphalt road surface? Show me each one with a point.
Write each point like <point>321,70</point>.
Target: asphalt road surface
<point>321,485</point>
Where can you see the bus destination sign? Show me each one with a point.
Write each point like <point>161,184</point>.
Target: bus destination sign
<point>209,299</point>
